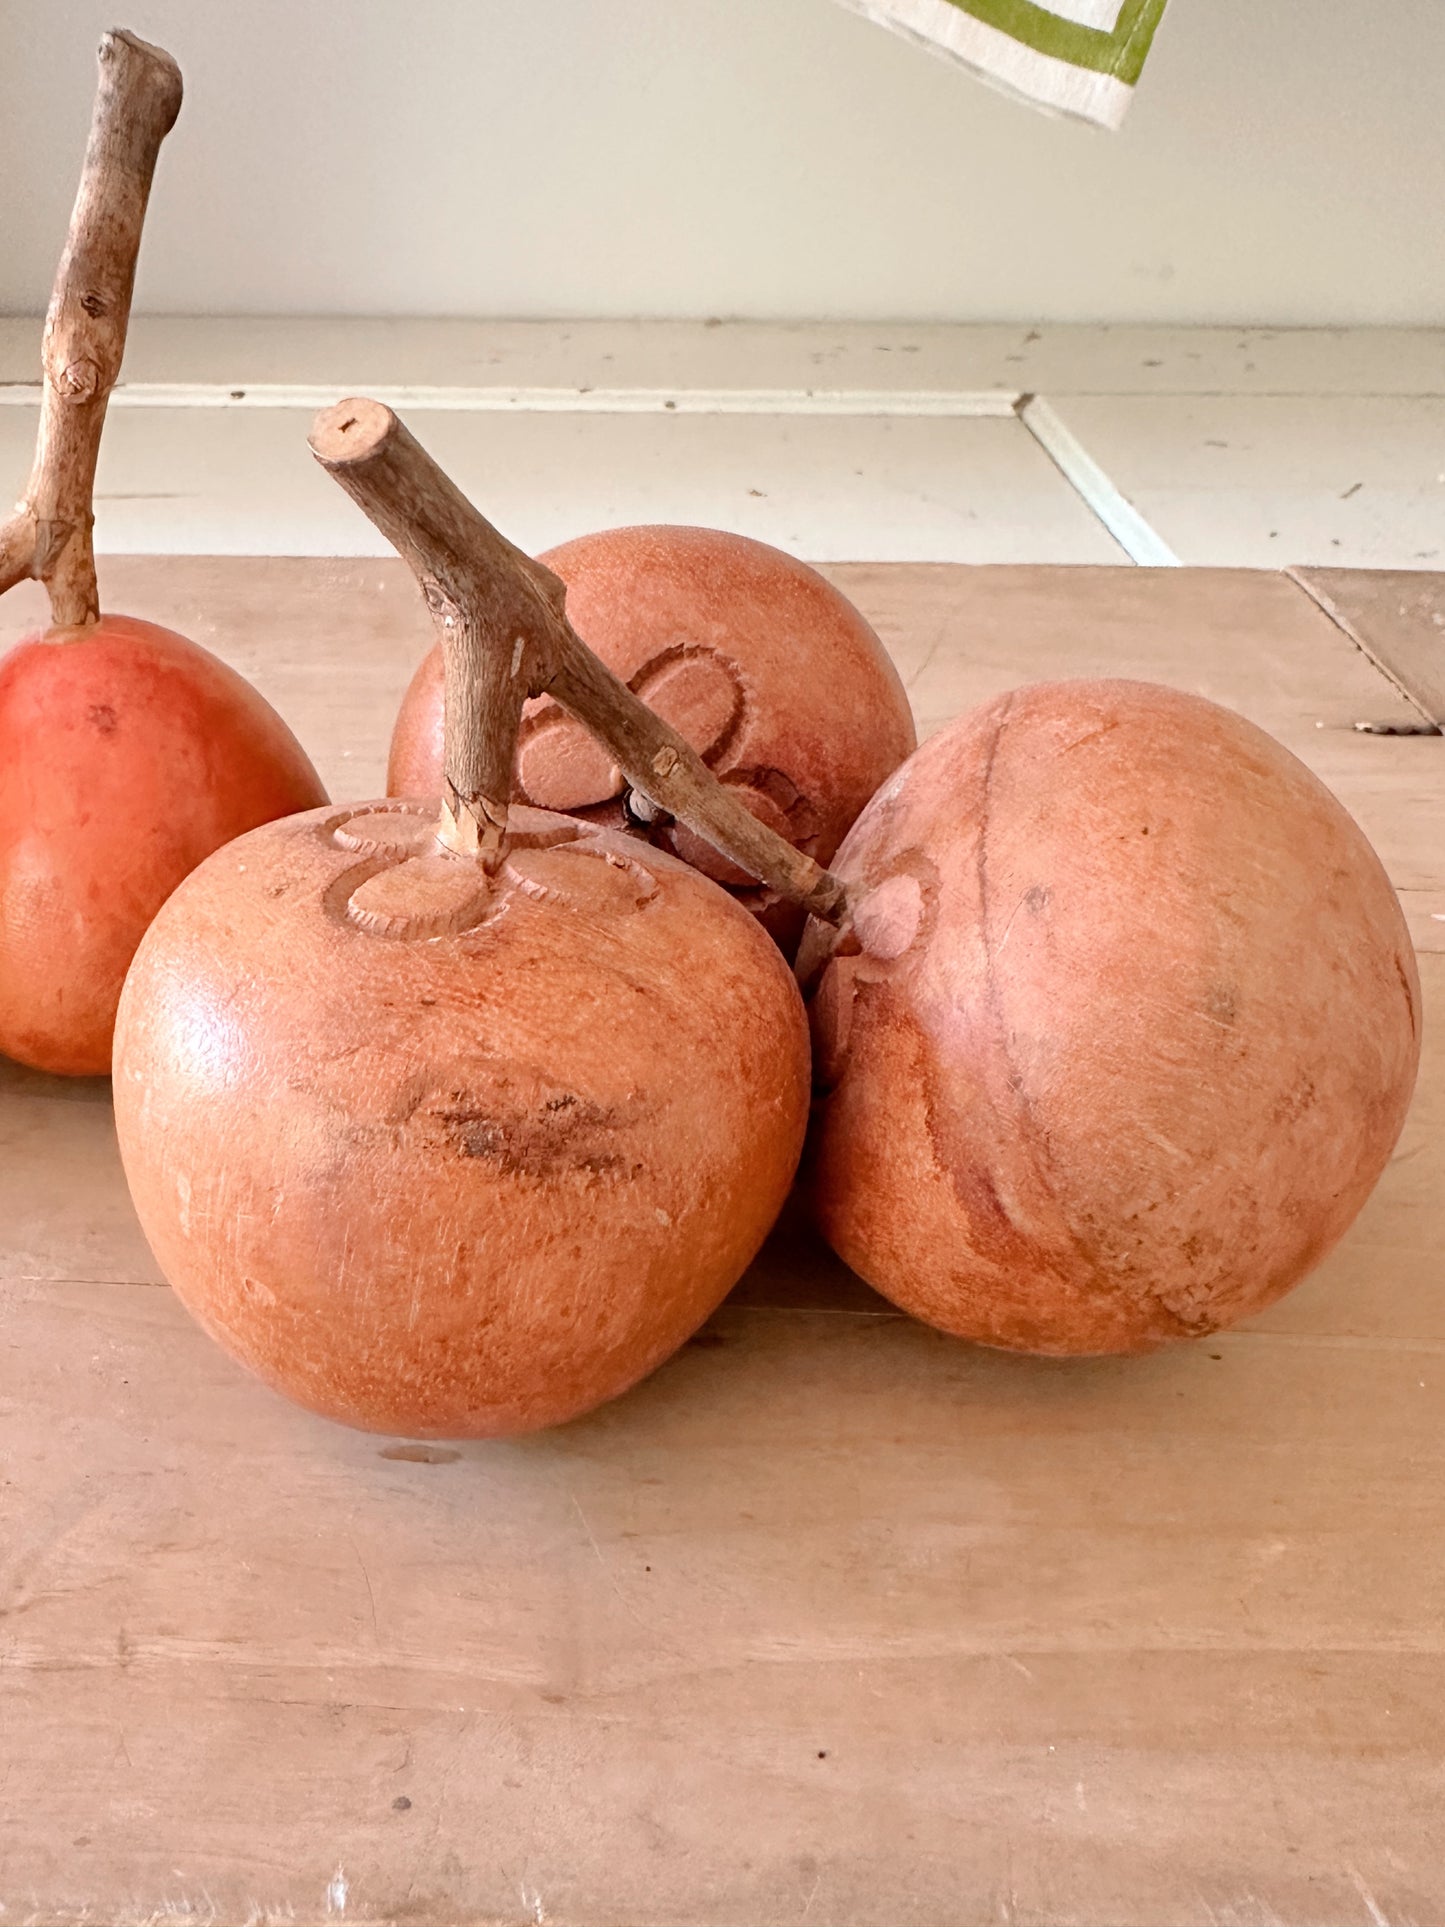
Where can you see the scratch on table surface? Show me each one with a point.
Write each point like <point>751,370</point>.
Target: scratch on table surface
<point>168,1913</point>
<point>1376,1911</point>
<point>337,1888</point>
<point>929,654</point>
<point>607,1572</point>
<point>532,1901</point>
<point>812,1896</point>
<point>366,1580</point>
<point>443,1785</point>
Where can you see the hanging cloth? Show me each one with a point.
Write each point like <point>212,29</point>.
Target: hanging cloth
<point>1079,57</point>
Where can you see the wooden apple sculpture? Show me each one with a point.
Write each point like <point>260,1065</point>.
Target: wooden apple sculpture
<point>1128,1031</point>
<point>126,753</point>
<point>766,669</point>
<point>451,1120</point>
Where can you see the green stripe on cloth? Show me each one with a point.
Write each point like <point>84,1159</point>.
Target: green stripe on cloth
<point>1063,58</point>
<point>1120,53</point>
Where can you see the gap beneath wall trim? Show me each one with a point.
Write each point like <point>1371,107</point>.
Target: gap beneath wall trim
<point>1136,537</point>
<point>941,403</point>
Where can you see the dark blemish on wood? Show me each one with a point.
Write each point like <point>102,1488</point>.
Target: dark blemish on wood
<point>94,305</point>
<point>822,1755</point>
<point>1353,489</point>
<point>1404,976</point>
<point>239,394</point>
<point>401,1804</point>
<point>1220,1004</point>
<point>102,716</point>
<point>566,1135</point>
<point>421,1454</point>
<point>1300,1099</point>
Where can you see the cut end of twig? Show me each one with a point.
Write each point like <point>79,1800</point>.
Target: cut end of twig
<point>351,431</point>
<point>120,43</point>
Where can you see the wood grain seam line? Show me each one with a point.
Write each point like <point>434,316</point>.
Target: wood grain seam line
<point>1320,601</point>
<point>1304,1340</point>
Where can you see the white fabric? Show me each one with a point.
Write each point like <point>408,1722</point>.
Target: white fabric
<point>1041,79</point>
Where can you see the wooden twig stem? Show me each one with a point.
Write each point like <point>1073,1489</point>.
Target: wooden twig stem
<point>501,618</point>
<point>49,535</point>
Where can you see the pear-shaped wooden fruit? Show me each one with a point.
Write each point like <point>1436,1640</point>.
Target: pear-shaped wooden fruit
<point>762,664</point>
<point>454,1120</point>
<point>127,753</point>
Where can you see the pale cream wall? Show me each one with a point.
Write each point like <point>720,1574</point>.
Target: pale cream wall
<point>753,157</point>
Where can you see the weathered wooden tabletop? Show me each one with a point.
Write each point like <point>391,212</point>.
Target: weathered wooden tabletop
<point>834,1621</point>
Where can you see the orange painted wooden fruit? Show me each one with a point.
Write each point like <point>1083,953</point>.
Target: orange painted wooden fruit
<point>127,754</point>
<point>448,1156</point>
<point>1131,1031</point>
<point>759,662</point>
<point>456,1118</point>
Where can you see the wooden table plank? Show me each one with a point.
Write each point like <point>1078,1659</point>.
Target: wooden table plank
<point>834,1620</point>
<point>1397,616</point>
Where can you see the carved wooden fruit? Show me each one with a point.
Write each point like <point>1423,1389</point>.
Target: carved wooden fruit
<point>1130,1033</point>
<point>446,1155</point>
<point>454,1126</point>
<point>766,669</point>
<point>126,753</point>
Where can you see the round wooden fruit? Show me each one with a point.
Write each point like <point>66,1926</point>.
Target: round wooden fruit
<point>127,754</point>
<point>457,1119</point>
<point>765,668</point>
<point>1130,1032</point>
<point>445,1155</point>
